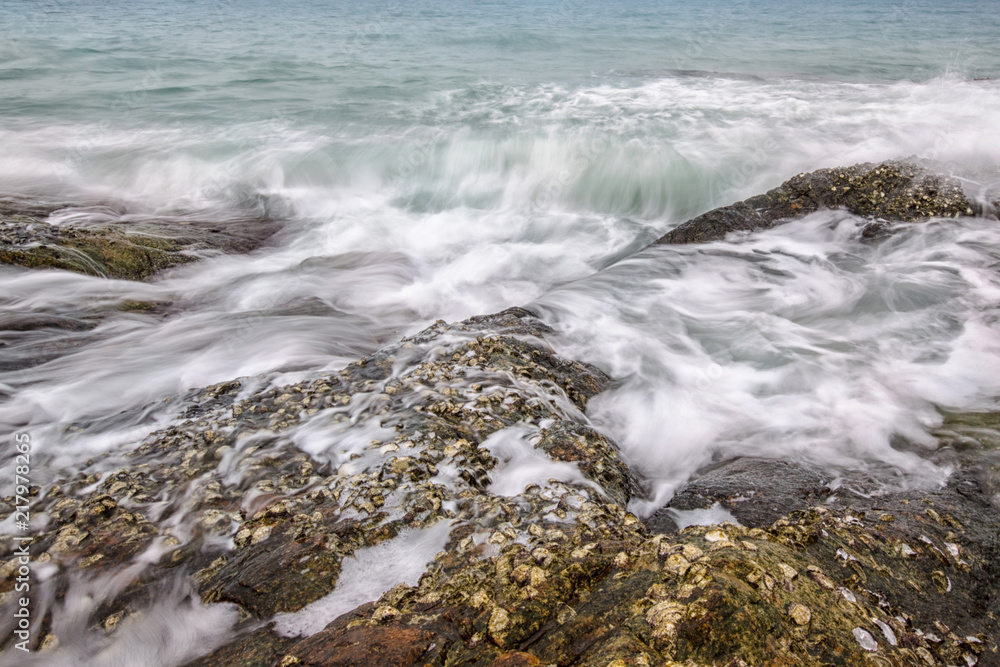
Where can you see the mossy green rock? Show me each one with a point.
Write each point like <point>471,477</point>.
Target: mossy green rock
<point>128,250</point>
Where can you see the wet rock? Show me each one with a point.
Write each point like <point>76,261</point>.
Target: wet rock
<point>115,245</point>
<point>283,568</point>
<point>756,491</point>
<point>262,648</point>
<point>250,519</point>
<point>559,572</point>
<point>743,599</point>
<point>94,535</point>
<point>896,190</point>
<point>596,456</point>
<point>799,590</point>
<point>392,646</point>
<point>915,557</point>
<point>515,659</point>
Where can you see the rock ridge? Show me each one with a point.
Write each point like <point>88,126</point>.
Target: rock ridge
<point>236,504</point>
<point>894,191</point>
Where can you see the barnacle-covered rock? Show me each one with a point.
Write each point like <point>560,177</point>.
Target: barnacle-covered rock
<point>256,496</point>
<point>799,592</point>
<point>230,502</point>
<point>896,190</point>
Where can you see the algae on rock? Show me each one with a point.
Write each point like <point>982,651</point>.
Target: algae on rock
<point>128,250</point>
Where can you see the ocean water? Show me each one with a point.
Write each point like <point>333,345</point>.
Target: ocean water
<point>435,159</point>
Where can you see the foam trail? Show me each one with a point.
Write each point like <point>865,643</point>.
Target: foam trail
<point>801,343</point>
<point>174,630</point>
<point>521,465</point>
<point>365,576</point>
<point>406,194</point>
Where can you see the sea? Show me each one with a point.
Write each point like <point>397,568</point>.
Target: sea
<point>439,159</point>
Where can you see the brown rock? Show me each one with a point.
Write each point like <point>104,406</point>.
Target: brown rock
<point>387,646</point>
<point>126,247</point>
<point>257,649</point>
<point>515,659</point>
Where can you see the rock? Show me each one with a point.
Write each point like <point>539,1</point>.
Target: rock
<point>740,597</point>
<point>756,491</point>
<point>261,648</point>
<point>515,659</point>
<point>561,574</point>
<point>905,553</point>
<point>896,190</point>
<point>391,646</point>
<point>800,613</point>
<point>292,519</point>
<point>118,246</point>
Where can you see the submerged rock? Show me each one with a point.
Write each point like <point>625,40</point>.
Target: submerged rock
<point>896,190</point>
<point>129,249</point>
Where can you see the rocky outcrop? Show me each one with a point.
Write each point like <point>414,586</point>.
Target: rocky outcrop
<point>820,587</point>
<point>132,249</point>
<point>256,495</point>
<point>233,507</point>
<point>917,560</point>
<point>900,191</point>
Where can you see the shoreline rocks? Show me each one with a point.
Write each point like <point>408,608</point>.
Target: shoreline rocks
<point>236,511</point>
<point>255,498</point>
<point>233,504</point>
<point>116,246</point>
<point>895,190</point>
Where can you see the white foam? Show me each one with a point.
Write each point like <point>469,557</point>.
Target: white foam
<point>708,516</point>
<point>799,343</point>
<point>175,629</point>
<point>342,442</point>
<point>521,464</point>
<point>366,575</point>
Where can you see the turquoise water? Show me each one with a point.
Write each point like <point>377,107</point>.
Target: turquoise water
<point>339,61</point>
<point>178,102</point>
<point>438,159</point>
<point>365,75</point>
